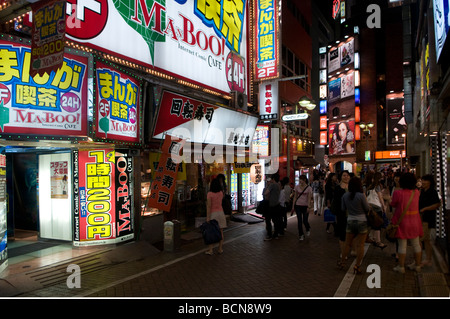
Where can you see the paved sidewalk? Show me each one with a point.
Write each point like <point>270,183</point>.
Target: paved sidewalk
<point>249,267</point>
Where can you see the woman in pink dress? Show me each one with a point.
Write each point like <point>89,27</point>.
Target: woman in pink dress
<point>410,227</point>
<point>214,210</point>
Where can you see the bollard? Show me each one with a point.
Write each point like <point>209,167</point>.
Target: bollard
<point>172,235</point>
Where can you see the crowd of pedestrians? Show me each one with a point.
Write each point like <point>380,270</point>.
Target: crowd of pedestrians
<point>399,198</point>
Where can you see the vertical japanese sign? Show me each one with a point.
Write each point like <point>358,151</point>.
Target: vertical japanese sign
<point>164,183</point>
<point>53,104</point>
<point>266,39</point>
<point>268,100</point>
<point>3,213</point>
<point>49,28</point>
<point>59,179</point>
<point>124,196</point>
<point>117,109</point>
<point>96,207</point>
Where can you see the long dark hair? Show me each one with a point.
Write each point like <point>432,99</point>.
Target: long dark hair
<point>355,186</point>
<point>215,186</point>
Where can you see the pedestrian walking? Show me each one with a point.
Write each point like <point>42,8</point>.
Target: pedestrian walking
<point>429,201</point>
<point>302,205</point>
<point>285,199</point>
<point>373,191</point>
<point>214,210</point>
<point>318,192</point>
<point>330,184</point>
<point>272,193</point>
<point>406,215</point>
<point>355,203</point>
<point>336,208</point>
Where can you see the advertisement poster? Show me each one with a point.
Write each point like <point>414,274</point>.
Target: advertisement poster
<point>260,143</point>
<point>117,110</point>
<point>333,60</point>
<point>266,39</point>
<point>165,178</point>
<point>54,104</point>
<point>341,137</point>
<point>96,218</point>
<point>200,122</point>
<point>334,90</point>
<point>124,196</point>
<point>193,39</point>
<point>59,179</point>
<point>347,85</point>
<point>346,53</point>
<point>396,124</point>
<point>48,36</point>
<point>441,9</point>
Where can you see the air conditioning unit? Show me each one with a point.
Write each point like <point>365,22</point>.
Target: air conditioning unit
<point>239,100</point>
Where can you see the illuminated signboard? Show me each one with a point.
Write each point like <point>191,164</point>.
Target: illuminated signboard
<point>200,122</point>
<point>117,110</point>
<point>295,117</point>
<point>341,137</point>
<point>441,9</point>
<point>268,100</point>
<point>260,143</point>
<point>390,154</point>
<point>190,40</point>
<point>54,104</point>
<point>103,205</point>
<point>323,138</point>
<point>266,39</point>
<point>323,122</point>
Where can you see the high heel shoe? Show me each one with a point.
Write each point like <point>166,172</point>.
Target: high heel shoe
<point>357,270</point>
<point>340,264</point>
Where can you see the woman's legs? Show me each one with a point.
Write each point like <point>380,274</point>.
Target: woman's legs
<point>220,248</point>
<point>345,246</point>
<point>361,239</point>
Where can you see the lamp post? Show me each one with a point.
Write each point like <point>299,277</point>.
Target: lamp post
<point>308,104</point>
<point>366,130</point>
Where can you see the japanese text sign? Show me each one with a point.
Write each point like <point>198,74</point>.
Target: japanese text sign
<point>268,100</point>
<point>266,39</point>
<point>117,105</point>
<point>165,178</point>
<point>190,40</point>
<point>52,104</point>
<point>48,36</point>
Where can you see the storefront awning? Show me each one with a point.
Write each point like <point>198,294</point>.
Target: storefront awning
<point>307,161</point>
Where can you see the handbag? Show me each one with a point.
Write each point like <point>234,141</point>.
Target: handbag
<point>226,204</point>
<point>373,199</point>
<point>374,220</point>
<point>391,229</point>
<point>328,216</point>
<point>211,232</point>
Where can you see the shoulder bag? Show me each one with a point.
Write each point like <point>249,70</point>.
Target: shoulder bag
<point>391,229</point>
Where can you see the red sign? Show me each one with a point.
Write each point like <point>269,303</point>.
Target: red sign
<point>164,184</point>
<point>47,42</point>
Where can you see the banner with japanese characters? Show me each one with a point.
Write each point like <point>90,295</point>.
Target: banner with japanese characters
<point>48,36</point>
<point>200,122</point>
<point>124,196</point>
<point>165,177</point>
<point>195,41</point>
<point>3,215</point>
<point>59,171</point>
<point>95,216</point>
<point>53,104</point>
<point>266,39</point>
<point>117,110</point>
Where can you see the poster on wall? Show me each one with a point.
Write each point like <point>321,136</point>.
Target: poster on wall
<point>347,85</point>
<point>346,53</point>
<point>441,9</point>
<point>95,218</point>
<point>341,137</point>
<point>117,110</point>
<point>54,104</point>
<point>396,123</point>
<point>124,196</point>
<point>190,40</point>
<point>334,90</point>
<point>59,171</point>
<point>333,60</point>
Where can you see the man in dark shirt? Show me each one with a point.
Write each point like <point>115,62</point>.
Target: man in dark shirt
<point>428,203</point>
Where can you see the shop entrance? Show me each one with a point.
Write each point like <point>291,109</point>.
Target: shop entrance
<point>39,194</point>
